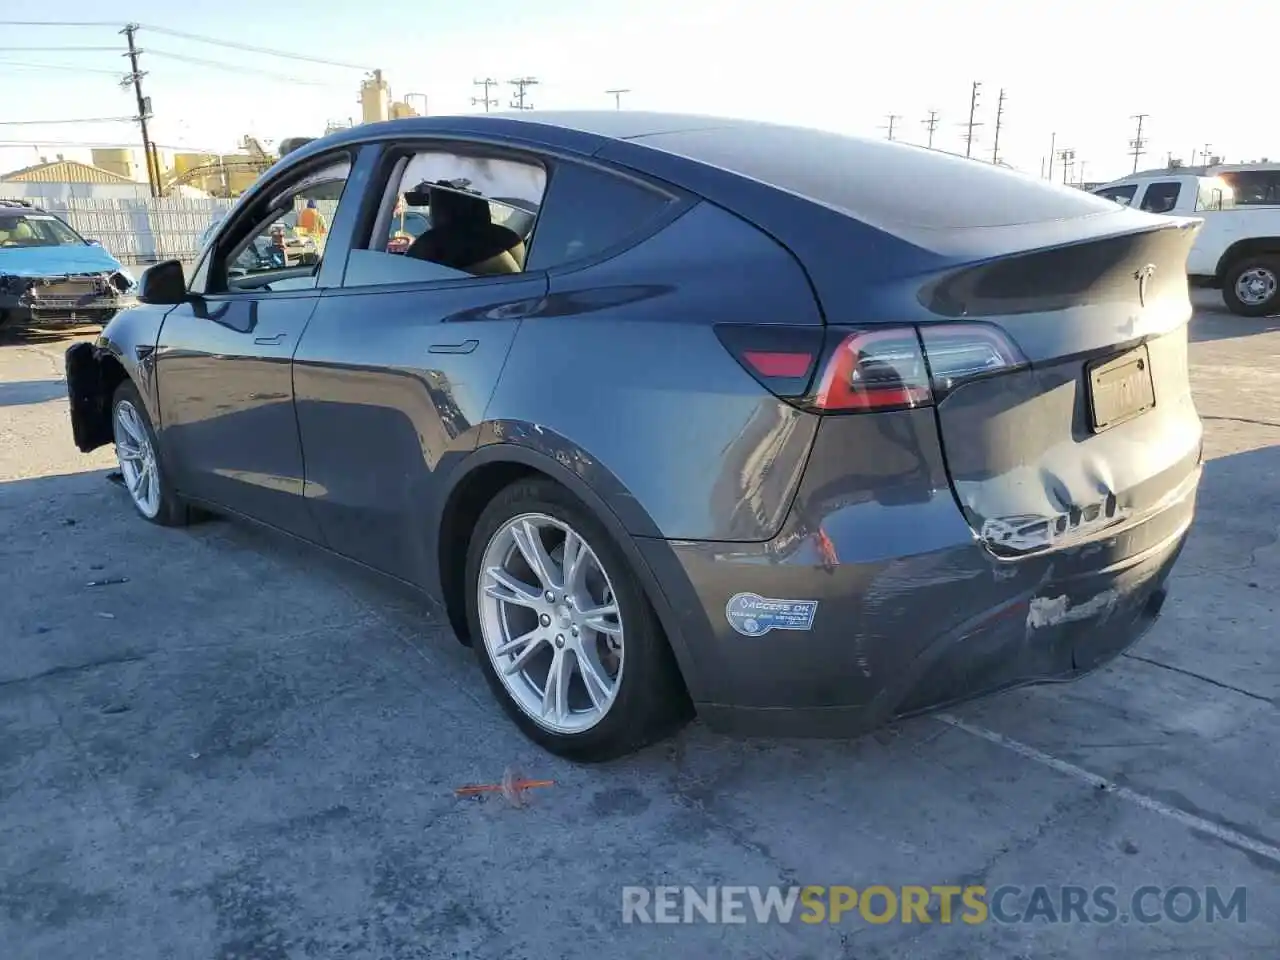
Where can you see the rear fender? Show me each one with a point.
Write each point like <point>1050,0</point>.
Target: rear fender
<point>540,449</point>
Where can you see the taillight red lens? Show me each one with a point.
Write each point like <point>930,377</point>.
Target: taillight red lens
<point>875,370</point>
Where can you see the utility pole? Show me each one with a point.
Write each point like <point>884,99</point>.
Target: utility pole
<point>1053,139</point>
<point>1068,158</point>
<point>893,119</point>
<point>521,84</point>
<point>995,149</point>
<point>931,125</point>
<point>1205,156</point>
<point>144,109</point>
<point>969,127</point>
<point>617,97</point>
<point>487,100</point>
<point>1138,145</point>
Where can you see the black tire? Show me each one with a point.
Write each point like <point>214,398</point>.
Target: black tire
<point>173,511</point>
<point>651,701</point>
<point>1269,307</point>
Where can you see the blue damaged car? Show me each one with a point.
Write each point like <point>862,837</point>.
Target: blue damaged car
<point>51,274</point>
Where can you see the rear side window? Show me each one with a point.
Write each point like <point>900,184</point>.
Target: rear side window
<point>1254,186</point>
<point>587,211</point>
<point>1122,195</point>
<point>1161,197</point>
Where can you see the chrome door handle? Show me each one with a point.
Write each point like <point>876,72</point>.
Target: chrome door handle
<point>270,341</point>
<point>466,346</point>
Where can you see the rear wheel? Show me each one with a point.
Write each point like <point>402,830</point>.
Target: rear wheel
<point>1251,287</point>
<point>138,454</point>
<point>567,639</point>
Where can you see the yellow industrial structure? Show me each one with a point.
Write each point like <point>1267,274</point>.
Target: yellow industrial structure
<point>376,102</point>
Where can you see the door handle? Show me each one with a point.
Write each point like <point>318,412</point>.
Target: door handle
<point>466,346</point>
<point>270,341</point>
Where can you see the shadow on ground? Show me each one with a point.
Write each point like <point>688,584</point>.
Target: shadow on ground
<point>231,748</point>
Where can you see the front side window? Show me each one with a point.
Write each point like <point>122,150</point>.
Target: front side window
<point>285,246</point>
<point>450,216</point>
<point>1161,197</point>
<point>1122,195</point>
<point>36,230</point>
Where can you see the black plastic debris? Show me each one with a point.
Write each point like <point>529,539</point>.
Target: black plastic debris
<point>110,581</point>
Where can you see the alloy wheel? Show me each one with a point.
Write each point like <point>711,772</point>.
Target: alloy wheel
<point>550,623</point>
<point>137,459</point>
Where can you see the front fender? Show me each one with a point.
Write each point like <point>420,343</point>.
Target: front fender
<point>124,350</point>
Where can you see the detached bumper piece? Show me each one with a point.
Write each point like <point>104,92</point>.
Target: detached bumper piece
<point>75,298</point>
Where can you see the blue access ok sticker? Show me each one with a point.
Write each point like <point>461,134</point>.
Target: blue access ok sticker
<point>753,615</point>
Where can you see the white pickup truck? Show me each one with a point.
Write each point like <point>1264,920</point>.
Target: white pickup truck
<point>1238,248</point>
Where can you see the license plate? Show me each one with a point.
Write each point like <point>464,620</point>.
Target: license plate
<point>1120,389</point>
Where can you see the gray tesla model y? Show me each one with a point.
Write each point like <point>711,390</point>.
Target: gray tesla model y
<point>798,431</point>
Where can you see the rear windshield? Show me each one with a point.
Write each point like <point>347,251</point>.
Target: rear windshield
<point>880,182</point>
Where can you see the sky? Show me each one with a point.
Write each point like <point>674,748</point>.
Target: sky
<point>1074,74</point>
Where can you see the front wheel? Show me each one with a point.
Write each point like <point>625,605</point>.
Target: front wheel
<point>138,453</point>
<point>1251,287</point>
<point>563,631</point>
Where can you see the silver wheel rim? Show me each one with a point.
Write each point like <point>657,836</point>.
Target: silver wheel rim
<point>137,459</point>
<point>550,623</point>
<point>1256,286</point>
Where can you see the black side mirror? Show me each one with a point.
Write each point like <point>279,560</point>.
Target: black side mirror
<point>163,283</point>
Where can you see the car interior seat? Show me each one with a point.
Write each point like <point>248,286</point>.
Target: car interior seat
<point>463,235</point>
<point>20,232</point>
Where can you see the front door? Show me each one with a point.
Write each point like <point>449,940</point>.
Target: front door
<point>223,360</point>
<point>226,403</point>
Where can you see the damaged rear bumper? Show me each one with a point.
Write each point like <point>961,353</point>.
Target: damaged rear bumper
<point>894,607</point>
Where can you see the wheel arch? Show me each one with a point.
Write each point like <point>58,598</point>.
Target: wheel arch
<point>474,483</point>
<point>1250,247</point>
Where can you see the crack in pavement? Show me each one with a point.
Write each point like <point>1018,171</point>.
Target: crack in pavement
<point>1200,676</point>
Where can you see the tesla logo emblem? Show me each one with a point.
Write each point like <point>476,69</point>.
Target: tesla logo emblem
<point>1143,277</point>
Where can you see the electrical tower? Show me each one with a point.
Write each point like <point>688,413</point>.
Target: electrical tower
<point>134,78</point>
<point>487,100</point>
<point>1138,145</point>
<point>931,125</point>
<point>973,122</point>
<point>521,84</point>
<point>995,148</point>
<point>617,97</point>
<point>889,127</point>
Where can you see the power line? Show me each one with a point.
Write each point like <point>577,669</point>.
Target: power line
<point>58,23</point>
<point>57,66</point>
<point>46,123</point>
<point>893,119</point>
<point>236,68</point>
<point>972,124</point>
<point>520,84</point>
<point>995,149</point>
<point>487,100</point>
<point>1137,146</point>
<point>61,49</point>
<point>931,125</point>
<point>249,48</point>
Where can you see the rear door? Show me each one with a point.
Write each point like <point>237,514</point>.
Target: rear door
<point>399,362</point>
<point>223,361</point>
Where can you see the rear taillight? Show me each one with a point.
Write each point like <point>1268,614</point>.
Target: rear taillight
<point>960,352</point>
<point>841,370</point>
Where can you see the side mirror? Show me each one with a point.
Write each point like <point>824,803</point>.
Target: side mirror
<point>94,243</point>
<point>163,283</point>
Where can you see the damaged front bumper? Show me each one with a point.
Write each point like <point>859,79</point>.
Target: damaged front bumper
<point>73,298</point>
